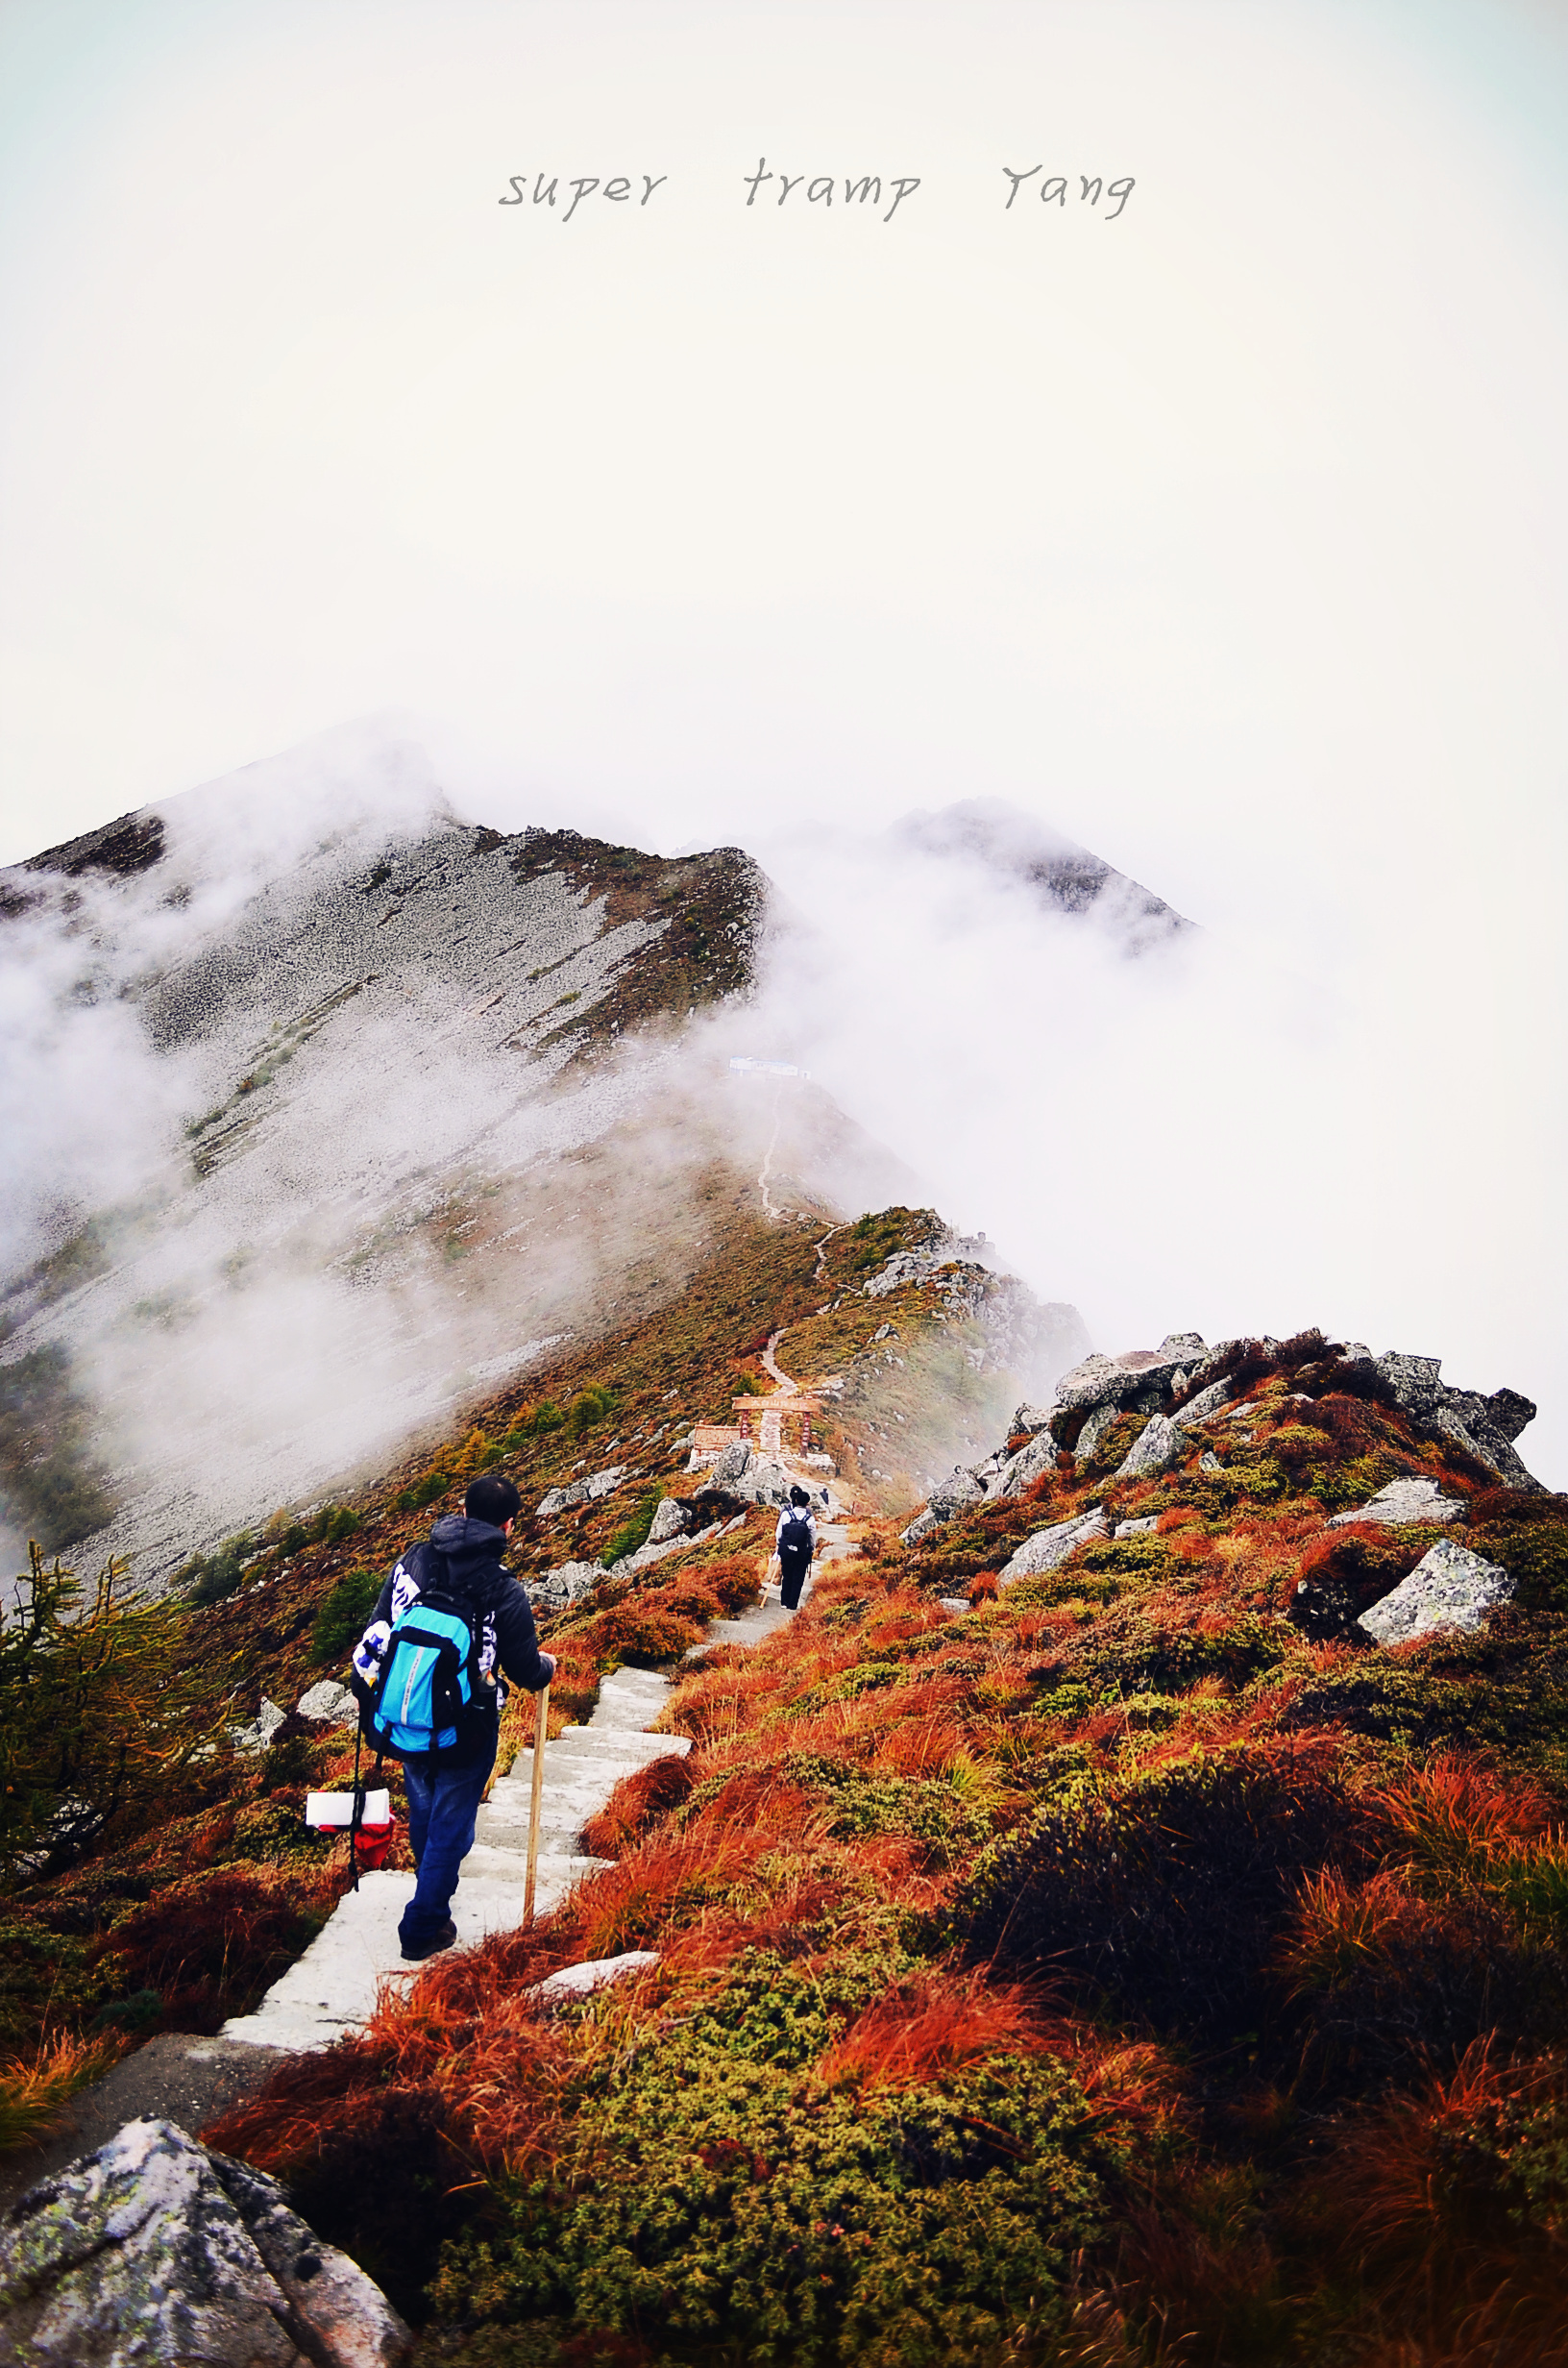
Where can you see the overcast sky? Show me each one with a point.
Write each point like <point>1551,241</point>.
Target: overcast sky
<point>1228,534</point>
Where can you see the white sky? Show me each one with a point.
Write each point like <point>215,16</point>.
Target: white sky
<point>1228,535</point>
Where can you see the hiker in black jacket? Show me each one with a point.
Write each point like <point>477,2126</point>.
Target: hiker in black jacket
<point>462,1559</point>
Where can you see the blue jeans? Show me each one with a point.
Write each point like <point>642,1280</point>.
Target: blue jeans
<point>442,1806</point>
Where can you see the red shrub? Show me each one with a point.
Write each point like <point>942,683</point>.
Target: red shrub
<point>1462,1808</point>
<point>1452,2202</point>
<point>210,1944</point>
<point>927,2027</point>
<point>638,1802</point>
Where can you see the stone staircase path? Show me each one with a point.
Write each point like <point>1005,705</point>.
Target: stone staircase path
<point>331,1989</point>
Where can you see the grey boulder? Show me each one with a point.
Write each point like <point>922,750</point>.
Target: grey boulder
<point>1449,1587</point>
<point>564,1585</point>
<point>154,2250</point>
<point>1157,1444</point>
<point>1401,1502</point>
<point>766,1482</point>
<point>1019,1471</point>
<point>1047,1547</point>
<point>580,1981</point>
<point>952,1495</point>
<point>1088,1441</point>
<point>329,1705</point>
<point>730,1465</point>
<point>258,1735</point>
<point>606,1483</point>
<point>669,1521</point>
<point>1202,1407</point>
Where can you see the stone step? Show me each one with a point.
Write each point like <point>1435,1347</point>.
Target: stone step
<point>565,1817</point>
<point>622,1718</point>
<point>605,1743</point>
<point>618,1693</point>
<point>555,1802</point>
<point>331,1989</point>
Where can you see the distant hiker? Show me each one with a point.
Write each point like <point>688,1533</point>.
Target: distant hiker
<point>794,1542</point>
<point>449,1627</point>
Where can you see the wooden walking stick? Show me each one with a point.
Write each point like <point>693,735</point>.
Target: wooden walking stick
<point>535,1798</point>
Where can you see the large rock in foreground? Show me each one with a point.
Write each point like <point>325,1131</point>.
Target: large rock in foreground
<point>1449,1587</point>
<point>154,2250</point>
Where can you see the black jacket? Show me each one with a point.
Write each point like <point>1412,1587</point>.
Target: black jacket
<point>462,1559</point>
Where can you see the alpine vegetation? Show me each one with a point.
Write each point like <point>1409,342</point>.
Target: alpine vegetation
<point>1044,1858</point>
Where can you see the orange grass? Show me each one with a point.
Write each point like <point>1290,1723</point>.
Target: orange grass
<point>1425,2199</point>
<point>1460,1808</point>
<point>1341,1928</point>
<point>929,2025</point>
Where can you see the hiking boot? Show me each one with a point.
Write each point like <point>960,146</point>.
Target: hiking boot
<point>445,1938</point>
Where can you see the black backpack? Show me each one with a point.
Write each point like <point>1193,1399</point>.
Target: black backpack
<point>794,1538</point>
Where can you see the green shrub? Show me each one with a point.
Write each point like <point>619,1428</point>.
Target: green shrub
<point>424,1492</point>
<point>332,1524</point>
<point>633,1532</point>
<point>1170,1902</point>
<point>547,1416</point>
<point>720,2200</point>
<point>589,1407</point>
<point>101,1707</point>
<point>343,1614</point>
<point>209,1578</point>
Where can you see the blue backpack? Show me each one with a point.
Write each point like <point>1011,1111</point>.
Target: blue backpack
<point>429,1680</point>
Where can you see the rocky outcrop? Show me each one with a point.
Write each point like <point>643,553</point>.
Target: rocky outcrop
<point>1405,1502</point>
<point>565,1585</point>
<point>1135,1373</point>
<point>329,1705</point>
<point>954,1494</point>
<point>1047,1547</point>
<point>1065,877</point>
<point>1018,1331</point>
<point>154,2250</point>
<point>647,1555</point>
<point>1178,1387</point>
<point>1449,1587</point>
<point>1484,1427</point>
<point>586,1491</point>
<point>747,1478</point>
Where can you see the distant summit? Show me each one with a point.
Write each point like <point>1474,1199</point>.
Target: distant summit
<point>1066,877</point>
